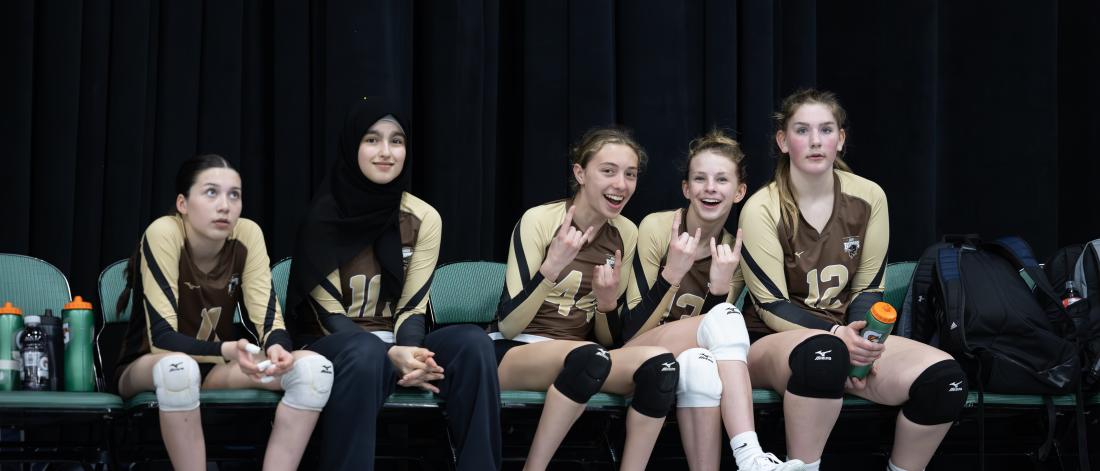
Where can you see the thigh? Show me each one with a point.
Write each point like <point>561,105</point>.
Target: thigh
<point>901,363</point>
<point>138,376</point>
<point>769,358</point>
<point>535,366</point>
<point>676,336</point>
<point>230,376</point>
<point>624,362</point>
<point>456,341</point>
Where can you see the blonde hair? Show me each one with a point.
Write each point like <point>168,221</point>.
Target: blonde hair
<point>595,139</point>
<point>720,143</point>
<point>788,208</point>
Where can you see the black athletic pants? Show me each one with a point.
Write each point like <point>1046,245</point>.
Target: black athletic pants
<point>365,378</point>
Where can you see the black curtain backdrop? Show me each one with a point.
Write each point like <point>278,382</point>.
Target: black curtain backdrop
<point>974,116</point>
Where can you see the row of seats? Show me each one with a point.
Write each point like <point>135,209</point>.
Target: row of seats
<point>104,429</point>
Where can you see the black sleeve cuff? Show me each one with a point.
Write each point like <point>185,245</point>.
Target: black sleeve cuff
<point>281,338</point>
<point>412,332</point>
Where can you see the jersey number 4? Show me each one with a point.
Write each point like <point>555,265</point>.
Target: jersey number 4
<point>565,292</point>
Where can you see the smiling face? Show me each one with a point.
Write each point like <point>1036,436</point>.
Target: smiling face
<point>212,205</point>
<point>382,151</point>
<point>712,186</point>
<point>812,138</point>
<point>608,179</point>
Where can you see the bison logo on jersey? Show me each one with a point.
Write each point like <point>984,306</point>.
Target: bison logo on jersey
<point>234,282</point>
<point>851,246</point>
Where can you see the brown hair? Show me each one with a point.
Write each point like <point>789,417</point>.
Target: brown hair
<point>787,207</point>
<point>720,143</point>
<point>595,139</point>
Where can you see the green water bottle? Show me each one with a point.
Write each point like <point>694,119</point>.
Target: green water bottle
<point>11,364</point>
<point>78,323</point>
<point>880,321</point>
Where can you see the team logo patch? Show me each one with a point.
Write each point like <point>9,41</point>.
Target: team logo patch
<point>851,246</point>
<point>609,260</point>
<point>234,282</point>
<point>191,285</point>
<point>406,254</point>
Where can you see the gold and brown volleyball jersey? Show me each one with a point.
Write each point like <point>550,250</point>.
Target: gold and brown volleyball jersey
<point>353,290</point>
<point>179,308</point>
<point>651,300</point>
<point>566,308</point>
<point>813,279</point>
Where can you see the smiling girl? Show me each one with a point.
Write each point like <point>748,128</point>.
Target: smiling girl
<point>568,267</point>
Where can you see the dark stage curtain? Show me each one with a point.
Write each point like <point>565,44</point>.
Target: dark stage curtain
<point>974,116</point>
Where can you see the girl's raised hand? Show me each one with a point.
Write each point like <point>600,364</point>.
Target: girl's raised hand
<point>565,246</point>
<point>723,262</point>
<point>681,252</point>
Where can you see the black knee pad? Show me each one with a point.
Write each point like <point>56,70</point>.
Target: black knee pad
<point>585,370</point>
<point>937,395</point>
<point>655,385</point>
<point>819,367</point>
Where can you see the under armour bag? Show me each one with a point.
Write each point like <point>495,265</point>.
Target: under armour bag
<point>968,298</point>
<point>1080,263</point>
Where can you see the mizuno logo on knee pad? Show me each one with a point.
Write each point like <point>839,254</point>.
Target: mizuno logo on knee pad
<point>821,355</point>
<point>670,366</point>
<point>175,367</point>
<point>604,354</point>
<point>706,356</point>
<point>955,386</point>
<point>326,369</point>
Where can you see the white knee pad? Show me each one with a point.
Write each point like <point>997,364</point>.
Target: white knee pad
<point>723,333</point>
<point>308,383</point>
<point>177,380</point>
<point>699,384</point>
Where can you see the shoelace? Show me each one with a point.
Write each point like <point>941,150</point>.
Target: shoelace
<point>768,458</point>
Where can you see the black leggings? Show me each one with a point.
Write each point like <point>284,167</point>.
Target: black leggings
<point>365,378</point>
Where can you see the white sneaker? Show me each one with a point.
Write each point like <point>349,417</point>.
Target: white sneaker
<point>768,462</point>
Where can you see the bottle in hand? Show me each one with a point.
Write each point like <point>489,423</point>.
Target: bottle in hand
<point>880,322</point>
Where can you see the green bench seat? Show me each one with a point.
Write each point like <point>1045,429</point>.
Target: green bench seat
<point>28,401</point>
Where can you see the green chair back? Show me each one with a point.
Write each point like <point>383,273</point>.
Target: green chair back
<point>112,280</point>
<point>32,285</point>
<point>898,276</point>
<point>466,292</point>
<point>280,276</point>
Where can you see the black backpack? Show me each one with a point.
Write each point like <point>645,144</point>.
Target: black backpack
<point>1080,263</point>
<point>968,298</point>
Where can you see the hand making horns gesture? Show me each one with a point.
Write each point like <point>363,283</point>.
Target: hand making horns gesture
<point>563,249</point>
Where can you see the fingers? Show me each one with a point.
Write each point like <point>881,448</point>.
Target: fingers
<point>586,237</point>
<point>567,221</point>
<point>676,225</point>
<point>618,263</point>
<point>713,250</point>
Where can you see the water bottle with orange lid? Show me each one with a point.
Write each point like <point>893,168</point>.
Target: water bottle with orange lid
<point>11,323</point>
<point>78,321</point>
<point>880,321</point>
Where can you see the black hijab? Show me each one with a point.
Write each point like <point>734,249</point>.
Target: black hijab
<point>350,213</point>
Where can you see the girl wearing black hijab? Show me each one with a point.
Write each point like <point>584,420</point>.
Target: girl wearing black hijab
<point>358,292</point>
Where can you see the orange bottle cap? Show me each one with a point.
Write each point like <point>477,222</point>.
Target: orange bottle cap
<point>79,303</point>
<point>884,312</point>
<point>9,309</point>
